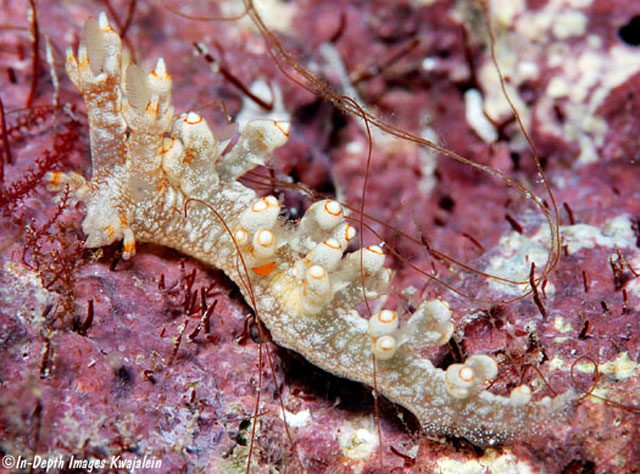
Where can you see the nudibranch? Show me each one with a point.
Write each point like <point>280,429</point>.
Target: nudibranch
<point>302,282</point>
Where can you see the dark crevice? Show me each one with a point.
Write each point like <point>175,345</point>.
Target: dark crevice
<point>630,32</point>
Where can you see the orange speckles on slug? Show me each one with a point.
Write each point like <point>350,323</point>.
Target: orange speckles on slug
<point>259,206</point>
<point>152,106</point>
<point>386,343</point>
<point>292,301</point>
<point>261,140</point>
<point>272,201</point>
<point>316,272</point>
<point>265,238</point>
<point>349,233</point>
<point>383,323</point>
<point>264,204</point>
<point>279,127</point>
<point>333,208</point>
<point>240,236</point>
<point>105,28</point>
<point>265,269</point>
<point>332,244</point>
<point>192,118</point>
<point>129,247</point>
<point>168,145</point>
<point>385,347</point>
<point>375,249</point>
<point>109,230</point>
<point>386,316</point>
<point>465,374</point>
<point>55,177</point>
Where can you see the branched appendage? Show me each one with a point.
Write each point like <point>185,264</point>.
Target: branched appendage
<point>303,286</point>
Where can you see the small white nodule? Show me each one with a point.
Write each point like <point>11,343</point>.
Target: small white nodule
<point>383,323</point>
<point>385,347</point>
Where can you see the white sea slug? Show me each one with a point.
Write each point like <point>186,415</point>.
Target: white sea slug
<point>147,163</point>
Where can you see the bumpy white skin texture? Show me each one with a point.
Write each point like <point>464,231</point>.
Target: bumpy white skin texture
<point>138,190</point>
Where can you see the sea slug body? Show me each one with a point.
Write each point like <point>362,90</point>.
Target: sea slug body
<point>149,166</point>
